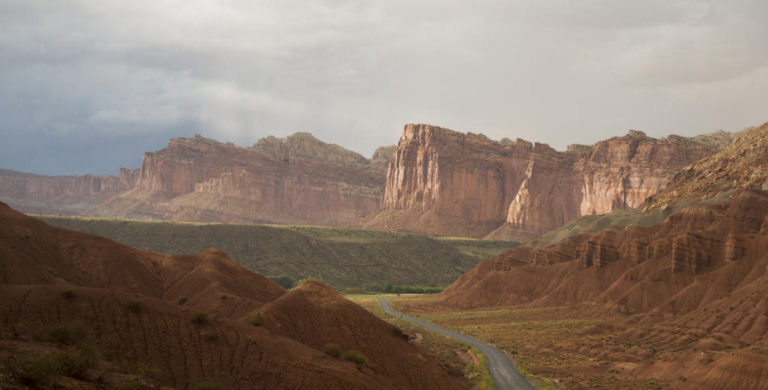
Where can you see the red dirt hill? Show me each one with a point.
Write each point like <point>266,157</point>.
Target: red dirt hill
<point>699,279</point>
<point>130,301</point>
<point>316,315</point>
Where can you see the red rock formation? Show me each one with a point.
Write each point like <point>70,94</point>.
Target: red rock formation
<point>311,313</point>
<point>439,179</point>
<point>60,194</point>
<point>129,300</point>
<point>696,284</point>
<point>297,180</point>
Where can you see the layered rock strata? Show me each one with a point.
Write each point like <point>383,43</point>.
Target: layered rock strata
<point>440,181</point>
<point>693,285</point>
<point>296,180</point>
<point>41,194</point>
<point>692,258</point>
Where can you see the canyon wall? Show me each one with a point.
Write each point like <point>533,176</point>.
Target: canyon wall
<point>296,180</point>
<point>447,183</point>
<point>720,230</point>
<point>41,194</point>
<point>435,181</point>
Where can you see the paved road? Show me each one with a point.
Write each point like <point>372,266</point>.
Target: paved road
<point>500,367</point>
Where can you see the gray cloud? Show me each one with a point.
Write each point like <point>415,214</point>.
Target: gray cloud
<point>87,86</point>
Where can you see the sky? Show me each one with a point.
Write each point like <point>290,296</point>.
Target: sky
<point>87,86</point>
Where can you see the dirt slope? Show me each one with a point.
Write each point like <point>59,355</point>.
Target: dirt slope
<point>37,254</point>
<point>316,315</point>
<point>698,280</point>
<point>129,300</point>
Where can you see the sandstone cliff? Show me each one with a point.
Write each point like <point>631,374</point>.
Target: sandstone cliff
<point>41,194</point>
<point>694,283</point>
<point>447,183</point>
<point>296,180</point>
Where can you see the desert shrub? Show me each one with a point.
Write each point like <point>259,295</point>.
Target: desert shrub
<point>74,364</point>
<point>255,318</point>
<point>355,357</point>
<point>130,384</point>
<point>332,350</point>
<point>206,386</point>
<point>183,300</point>
<point>68,294</point>
<point>200,317</point>
<point>284,281</point>
<point>211,335</point>
<point>223,296</point>
<point>152,374</point>
<point>34,371</point>
<point>134,305</point>
<point>69,334</point>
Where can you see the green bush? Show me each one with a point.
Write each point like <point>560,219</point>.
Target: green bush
<point>332,350</point>
<point>355,357</point>
<point>152,374</point>
<point>68,294</point>
<point>183,300</point>
<point>200,317</point>
<point>74,364</point>
<point>224,296</point>
<point>130,384</point>
<point>33,371</point>
<point>134,305</point>
<point>69,334</point>
<point>255,318</point>
<point>206,386</point>
<point>284,281</point>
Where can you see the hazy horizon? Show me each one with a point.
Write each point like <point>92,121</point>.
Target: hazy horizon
<point>88,86</point>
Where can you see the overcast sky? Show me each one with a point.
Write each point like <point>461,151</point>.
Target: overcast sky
<point>87,86</point>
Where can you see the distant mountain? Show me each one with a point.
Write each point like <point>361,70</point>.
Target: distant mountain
<point>296,180</point>
<point>435,182</point>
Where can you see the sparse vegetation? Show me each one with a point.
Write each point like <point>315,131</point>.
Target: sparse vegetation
<point>135,305</point>
<point>332,349</point>
<point>255,318</point>
<point>299,252</point>
<point>200,317</point>
<point>486,382</point>
<point>355,357</point>
<point>33,371</point>
<point>211,335</point>
<point>387,287</point>
<point>183,300</point>
<point>130,384</point>
<point>36,370</point>
<point>205,386</point>
<point>284,281</point>
<point>152,374</point>
<point>69,334</point>
<point>68,294</point>
<point>74,363</point>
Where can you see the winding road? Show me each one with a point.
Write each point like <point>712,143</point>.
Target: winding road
<point>500,366</point>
